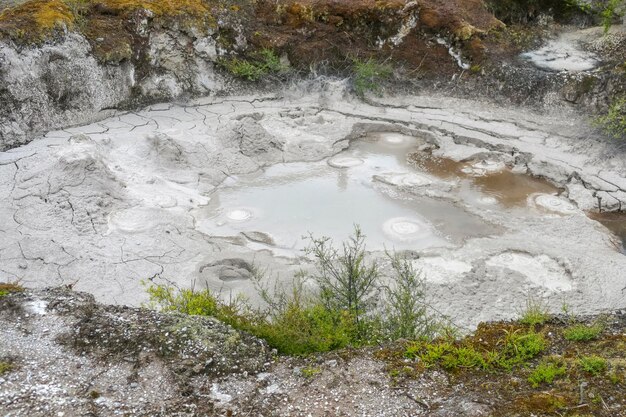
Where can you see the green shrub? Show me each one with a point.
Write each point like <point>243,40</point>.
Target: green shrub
<point>300,330</point>
<point>186,301</point>
<point>613,123</point>
<point>546,372</point>
<point>592,364</point>
<point>343,311</point>
<point>610,13</point>
<point>294,327</point>
<point>368,75</point>
<point>582,332</point>
<point>406,315</point>
<point>346,280</point>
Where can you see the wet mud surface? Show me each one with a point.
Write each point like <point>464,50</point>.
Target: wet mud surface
<point>202,193</point>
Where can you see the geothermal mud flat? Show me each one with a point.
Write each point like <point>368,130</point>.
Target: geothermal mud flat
<point>199,194</point>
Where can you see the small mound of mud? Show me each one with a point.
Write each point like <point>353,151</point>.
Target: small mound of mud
<point>540,270</point>
<point>552,204</point>
<point>232,269</point>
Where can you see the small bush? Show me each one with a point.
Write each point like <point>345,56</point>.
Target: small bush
<point>610,13</point>
<point>582,333</point>
<point>186,301</point>
<point>368,75</point>
<point>613,123</point>
<point>546,372</point>
<point>406,315</point>
<point>300,330</point>
<point>592,364</point>
<point>346,280</point>
<point>535,313</point>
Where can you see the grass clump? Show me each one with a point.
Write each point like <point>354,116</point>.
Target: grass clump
<point>310,371</point>
<point>613,123</point>
<point>6,367</point>
<point>254,68</point>
<point>513,348</point>
<point>592,364</point>
<point>368,75</point>
<point>535,313</point>
<point>546,372</point>
<point>582,332</point>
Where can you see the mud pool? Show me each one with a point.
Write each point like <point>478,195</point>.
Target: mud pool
<point>355,187</point>
<point>490,203</point>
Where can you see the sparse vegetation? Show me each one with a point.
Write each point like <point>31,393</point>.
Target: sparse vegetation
<point>610,12</point>
<point>37,19</point>
<point>310,371</point>
<point>583,332</point>
<point>8,287</point>
<point>368,75</point>
<point>592,364</point>
<point>547,371</point>
<point>513,348</point>
<point>255,67</point>
<point>613,123</point>
<point>340,312</point>
<point>535,313</point>
<point>5,367</point>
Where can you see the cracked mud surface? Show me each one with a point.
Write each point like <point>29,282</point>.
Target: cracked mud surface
<point>103,206</point>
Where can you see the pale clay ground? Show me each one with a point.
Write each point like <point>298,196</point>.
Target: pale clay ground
<point>104,206</point>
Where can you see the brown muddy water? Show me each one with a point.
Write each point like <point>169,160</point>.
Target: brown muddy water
<point>495,181</point>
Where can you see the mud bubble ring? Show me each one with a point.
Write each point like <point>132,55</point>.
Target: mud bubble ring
<point>344,162</point>
<point>239,215</point>
<point>406,229</point>
<point>552,203</point>
<point>485,167</point>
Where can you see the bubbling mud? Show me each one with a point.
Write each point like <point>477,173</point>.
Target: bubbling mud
<point>404,229</point>
<point>239,215</point>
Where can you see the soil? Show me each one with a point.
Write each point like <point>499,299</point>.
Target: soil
<point>54,370</point>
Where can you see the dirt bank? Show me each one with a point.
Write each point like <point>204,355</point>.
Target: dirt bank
<point>62,354</point>
<point>67,63</point>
